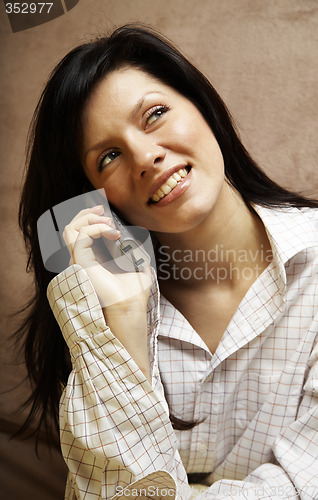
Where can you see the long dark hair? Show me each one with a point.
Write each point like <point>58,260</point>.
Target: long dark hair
<point>54,174</point>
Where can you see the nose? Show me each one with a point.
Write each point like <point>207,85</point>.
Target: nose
<point>146,155</point>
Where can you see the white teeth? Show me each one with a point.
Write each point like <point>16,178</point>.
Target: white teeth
<point>166,189</point>
<point>177,177</point>
<point>169,184</point>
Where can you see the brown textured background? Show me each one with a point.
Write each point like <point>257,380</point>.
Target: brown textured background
<point>262,58</point>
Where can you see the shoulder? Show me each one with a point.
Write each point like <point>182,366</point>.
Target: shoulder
<point>290,229</point>
<point>308,225</point>
<point>310,214</point>
<point>303,265</point>
<point>298,213</point>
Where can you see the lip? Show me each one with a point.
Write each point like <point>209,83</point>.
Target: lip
<point>163,178</point>
<point>176,192</point>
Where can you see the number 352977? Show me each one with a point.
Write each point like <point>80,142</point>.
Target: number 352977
<point>28,8</point>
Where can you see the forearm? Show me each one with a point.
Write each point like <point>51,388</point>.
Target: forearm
<point>128,322</point>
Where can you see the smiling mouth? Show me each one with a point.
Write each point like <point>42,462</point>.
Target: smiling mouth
<point>169,184</point>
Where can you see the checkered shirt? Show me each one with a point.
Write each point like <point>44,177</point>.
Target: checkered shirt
<point>255,397</point>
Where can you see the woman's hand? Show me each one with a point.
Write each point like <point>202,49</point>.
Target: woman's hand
<point>123,295</point>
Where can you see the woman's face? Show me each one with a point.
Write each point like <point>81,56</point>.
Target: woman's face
<point>152,151</point>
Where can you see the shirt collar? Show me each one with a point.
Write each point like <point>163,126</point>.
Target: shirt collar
<point>290,231</point>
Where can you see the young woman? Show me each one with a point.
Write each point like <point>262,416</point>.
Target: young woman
<point>214,377</point>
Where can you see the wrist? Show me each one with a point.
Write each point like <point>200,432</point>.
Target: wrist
<point>132,307</point>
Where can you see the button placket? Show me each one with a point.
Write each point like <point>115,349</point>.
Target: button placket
<point>207,404</point>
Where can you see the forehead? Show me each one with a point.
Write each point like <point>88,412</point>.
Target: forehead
<point>128,78</point>
<point>124,87</point>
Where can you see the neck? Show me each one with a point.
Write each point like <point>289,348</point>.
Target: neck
<point>229,244</point>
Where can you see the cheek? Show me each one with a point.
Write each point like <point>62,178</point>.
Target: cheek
<point>120,195</point>
<point>195,136</point>
<point>184,134</point>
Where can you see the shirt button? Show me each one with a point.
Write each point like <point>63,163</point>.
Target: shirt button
<point>202,448</point>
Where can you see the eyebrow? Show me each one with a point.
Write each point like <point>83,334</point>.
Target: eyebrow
<point>132,115</point>
<point>139,104</point>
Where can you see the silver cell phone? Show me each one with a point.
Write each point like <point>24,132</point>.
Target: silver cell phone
<point>133,251</point>
<point>126,251</point>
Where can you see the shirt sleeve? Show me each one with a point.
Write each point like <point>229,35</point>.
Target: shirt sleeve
<point>116,436</point>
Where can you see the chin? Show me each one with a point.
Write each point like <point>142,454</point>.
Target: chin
<point>182,224</point>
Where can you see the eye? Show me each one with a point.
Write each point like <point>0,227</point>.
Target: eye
<point>154,113</point>
<point>107,158</point>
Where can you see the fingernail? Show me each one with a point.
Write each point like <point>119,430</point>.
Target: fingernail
<point>112,232</point>
<point>99,208</point>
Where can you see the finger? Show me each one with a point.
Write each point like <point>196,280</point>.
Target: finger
<point>89,219</point>
<point>98,209</point>
<point>82,251</point>
<point>87,234</point>
<point>95,226</point>
<point>71,231</point>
